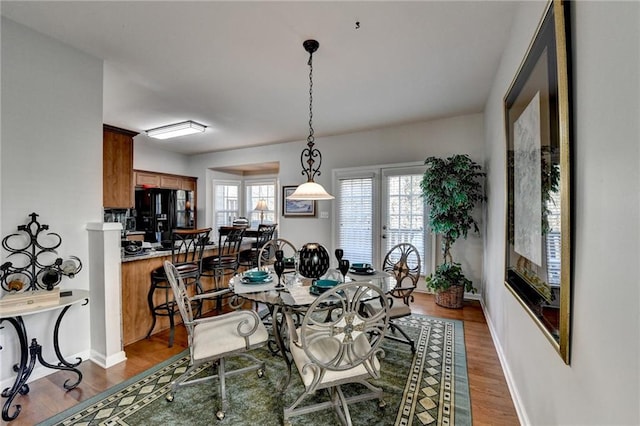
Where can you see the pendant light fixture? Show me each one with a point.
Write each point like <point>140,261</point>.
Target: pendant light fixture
<point>310,190</point>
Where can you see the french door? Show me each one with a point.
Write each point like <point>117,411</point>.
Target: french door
<point>377,209</point>
<point>403,211</point>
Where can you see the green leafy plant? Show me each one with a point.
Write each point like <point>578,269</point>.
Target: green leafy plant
<point>452,188</point>
<point>448,274</point>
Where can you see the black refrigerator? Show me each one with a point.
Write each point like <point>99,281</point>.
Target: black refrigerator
<point>161,210</point>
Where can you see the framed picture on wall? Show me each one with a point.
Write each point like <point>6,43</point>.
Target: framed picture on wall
<point>538,242</point>
<point>296,207</point>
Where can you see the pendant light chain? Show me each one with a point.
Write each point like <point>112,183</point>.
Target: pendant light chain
<point>310,138</point>
<point>310,154</point>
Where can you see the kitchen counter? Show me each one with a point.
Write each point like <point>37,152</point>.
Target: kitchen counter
<point>153,253</point>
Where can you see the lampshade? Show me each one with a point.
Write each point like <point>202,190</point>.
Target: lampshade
<point>175,130</point>
<point>261,206</point>
<point>310,191</point>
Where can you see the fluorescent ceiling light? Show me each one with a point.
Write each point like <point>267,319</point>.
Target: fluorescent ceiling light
<point>175,130</point>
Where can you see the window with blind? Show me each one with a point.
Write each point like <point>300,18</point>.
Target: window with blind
<point>355,218</point>
<point>256,191</point>
<point>226,205</point>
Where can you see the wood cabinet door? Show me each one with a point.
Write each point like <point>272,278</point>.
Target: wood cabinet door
<point>117,174</point>
<point>147,179</point>
<point>171,182</point>
<point>188,184</point>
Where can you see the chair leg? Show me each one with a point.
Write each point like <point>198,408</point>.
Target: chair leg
<point>151,308</point>
<point>172,325</point>
<point>223,390</point>
<point>408,340</point>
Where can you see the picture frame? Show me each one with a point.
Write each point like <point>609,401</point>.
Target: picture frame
<point>538,252</point>
<point>296,208</point>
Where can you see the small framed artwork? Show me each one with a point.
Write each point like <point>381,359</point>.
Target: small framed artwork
<point>296,207</point>
<point>538,241</point>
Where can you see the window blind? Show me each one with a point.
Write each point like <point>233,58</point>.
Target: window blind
<point>355,219</point>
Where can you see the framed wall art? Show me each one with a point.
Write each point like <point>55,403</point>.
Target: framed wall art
<point>538,234</point>
<point>296,207</point>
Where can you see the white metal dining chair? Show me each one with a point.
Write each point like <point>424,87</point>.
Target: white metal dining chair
<point>213,339</point>
<point>344,348</point>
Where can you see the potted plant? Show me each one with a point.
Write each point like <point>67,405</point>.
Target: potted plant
<point>452,188</point>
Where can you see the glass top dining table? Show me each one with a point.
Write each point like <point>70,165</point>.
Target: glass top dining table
<point>295,297</point>
<point>297,291</point>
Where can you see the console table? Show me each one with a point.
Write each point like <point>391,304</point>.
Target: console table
<point>30,353</point>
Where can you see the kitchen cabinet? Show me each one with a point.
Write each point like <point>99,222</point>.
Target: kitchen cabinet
<point>117,167</point>
<point>164,180</point>
<point>170,182</point>
<point>147,179</point>
<point>188,184</point>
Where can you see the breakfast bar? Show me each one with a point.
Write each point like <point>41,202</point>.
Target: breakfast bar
<point>136,280</point>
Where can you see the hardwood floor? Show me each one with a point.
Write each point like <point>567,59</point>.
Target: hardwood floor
<point>491,402</point>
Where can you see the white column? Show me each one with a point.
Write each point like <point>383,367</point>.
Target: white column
<point>105,286</point>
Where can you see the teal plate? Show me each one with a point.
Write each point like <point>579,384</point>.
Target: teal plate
<point>326,283</point>
<point>265,280</point>
<point>257,276</point>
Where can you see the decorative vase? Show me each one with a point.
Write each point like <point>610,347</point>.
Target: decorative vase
<point>314,261</point>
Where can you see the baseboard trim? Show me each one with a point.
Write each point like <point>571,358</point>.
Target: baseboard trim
<point>513,389</point>
<point>109,361</point>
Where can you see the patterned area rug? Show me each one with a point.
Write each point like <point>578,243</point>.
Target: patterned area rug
<point>428,388</point>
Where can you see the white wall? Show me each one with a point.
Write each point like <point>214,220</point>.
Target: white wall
<point>392,145</point>
<point>601,386</point>
<point>51,164</point>
<point>148,155</point>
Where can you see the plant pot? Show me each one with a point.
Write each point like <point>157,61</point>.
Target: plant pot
<point>451,297</point>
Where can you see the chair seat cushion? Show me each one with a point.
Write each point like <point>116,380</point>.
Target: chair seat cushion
<point>184,269</point>
<point>301,358</point>
<point>399,310</point>
<point>214,262</point>
<point>219,337</point>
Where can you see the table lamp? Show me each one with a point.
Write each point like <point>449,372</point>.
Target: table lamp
<point>261,207</point>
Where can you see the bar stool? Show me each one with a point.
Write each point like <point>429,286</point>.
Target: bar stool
<point>225,262</point>
<point>249,257</point>
<point>186,254</point>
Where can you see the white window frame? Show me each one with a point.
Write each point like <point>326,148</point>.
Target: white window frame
<point>218,183</point>
<point>249,203</point>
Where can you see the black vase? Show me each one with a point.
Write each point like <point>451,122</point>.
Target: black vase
<point>314,261</point>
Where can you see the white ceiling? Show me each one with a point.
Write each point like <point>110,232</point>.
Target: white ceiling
<point>240,69</point>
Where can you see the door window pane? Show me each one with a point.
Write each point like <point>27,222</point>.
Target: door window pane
<point>405,216</point>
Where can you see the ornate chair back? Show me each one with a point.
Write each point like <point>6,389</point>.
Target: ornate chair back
<point>267,254</point>
<point>347,338</point>
<point>403,261</point>
<point>337,343</point>
<point>181,296</point>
